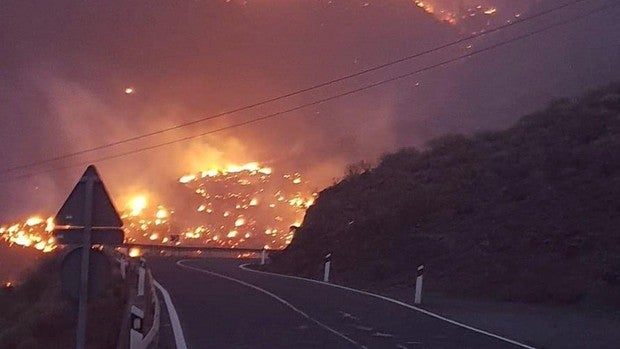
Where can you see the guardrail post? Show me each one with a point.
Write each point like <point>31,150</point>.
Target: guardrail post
<point>263,257</point>
<point>135,333</point>
<point>418,285</point>
<point>328,265</point>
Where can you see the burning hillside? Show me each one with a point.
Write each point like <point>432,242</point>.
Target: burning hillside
<point>475,15</point>
<point>34,232</point>
<point>247,205</point>
<point>237,206</point>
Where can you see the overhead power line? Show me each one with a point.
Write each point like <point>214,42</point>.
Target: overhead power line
<point>290,94</point>
<point>327,99</point>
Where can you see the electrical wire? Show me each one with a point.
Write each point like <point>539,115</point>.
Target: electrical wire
<point>290,94</point>
<point>327,99</point>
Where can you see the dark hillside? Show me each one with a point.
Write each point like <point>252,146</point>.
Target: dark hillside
<point>530,213</point>
<point>35,314</point>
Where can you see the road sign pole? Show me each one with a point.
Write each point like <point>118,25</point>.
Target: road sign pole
<point>80,342</point>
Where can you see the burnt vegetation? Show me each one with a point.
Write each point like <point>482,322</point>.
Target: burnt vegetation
<point>531,213</point>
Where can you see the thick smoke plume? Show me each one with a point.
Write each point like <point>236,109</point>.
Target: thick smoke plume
<point>64,75</point>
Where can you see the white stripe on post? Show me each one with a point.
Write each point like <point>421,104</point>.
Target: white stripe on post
<point>263,256</point>
<point>328,265</point>
<point>418,285</point>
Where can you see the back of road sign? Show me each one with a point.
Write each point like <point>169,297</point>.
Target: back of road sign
<point>99,273</point>
<point>73,212</point>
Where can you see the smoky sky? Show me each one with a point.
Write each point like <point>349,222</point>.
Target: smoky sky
<point>65,65</point>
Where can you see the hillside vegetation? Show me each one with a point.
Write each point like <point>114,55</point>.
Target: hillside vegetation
<point>531,213</point>
<point>35,313</point>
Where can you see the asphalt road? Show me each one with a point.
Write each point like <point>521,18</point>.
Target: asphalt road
<point>222,306</point>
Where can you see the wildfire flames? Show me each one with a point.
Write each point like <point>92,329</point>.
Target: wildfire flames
<point>34,232</point>
<point>248,205</point>
<point>239,206</point>
<point>474,15</point>
<point>470,15</point>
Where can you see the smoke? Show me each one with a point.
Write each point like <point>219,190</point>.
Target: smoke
<point>62,87</point>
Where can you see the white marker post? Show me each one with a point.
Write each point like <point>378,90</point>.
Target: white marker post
<point>123,263</point>
<point>418,285</point>
<point>328,265</point>
<point>263,257</point>
<point>141,278</point>
<point>135,332</point>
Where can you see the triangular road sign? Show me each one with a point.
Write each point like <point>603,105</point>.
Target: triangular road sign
<point>72,212</point>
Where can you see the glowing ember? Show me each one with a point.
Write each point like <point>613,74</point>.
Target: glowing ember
<point>32,221</point>
<point>49,227</point>
<point>161,213</point>
<point>239,222</point>
<point>187,179</point>
<point>135,252</point>
<point>137,205</point>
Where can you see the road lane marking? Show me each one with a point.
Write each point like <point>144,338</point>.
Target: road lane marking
<point>346,315</point>
<point>391,300</point>
<point>289,305</point>
<point>383,335</point>
<point>179,338</point>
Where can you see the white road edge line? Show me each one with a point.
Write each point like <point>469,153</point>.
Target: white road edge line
<point>179,338</point>
<point>426,312</point>
<point>292,307</point>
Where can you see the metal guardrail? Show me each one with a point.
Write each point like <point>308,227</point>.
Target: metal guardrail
<point>197,248</point>
<point>137,338</point>
<point>141,323</point>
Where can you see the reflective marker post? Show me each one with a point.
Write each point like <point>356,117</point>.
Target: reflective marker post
<point>141,277</point>
<point>418,285</point>
<point>328,265</point>
<point>123,263</point>
<point>136,331</point>
<point>80,342</point>
<point>263,256</point>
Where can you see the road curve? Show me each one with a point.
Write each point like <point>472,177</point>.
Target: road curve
<point>223,306</point>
